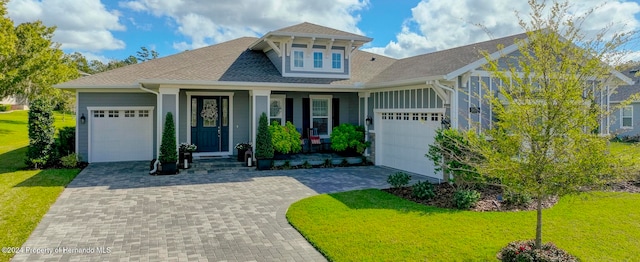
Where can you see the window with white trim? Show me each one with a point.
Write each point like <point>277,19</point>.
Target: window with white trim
<point>114,113</point>
<point>317,59</point>
<point>321,114</point>
<point>277,109</point>
<point>627,117</point>
<point>336,60</point>
<point>129,113</point>
<point>298,59</point>
<point>98,113</point>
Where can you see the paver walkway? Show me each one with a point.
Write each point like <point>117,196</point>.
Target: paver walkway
<point>116,212</point>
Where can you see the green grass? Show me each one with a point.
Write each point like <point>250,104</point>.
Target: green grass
<point>372,225</point>
<point>626,149</point>
<point>25,195</point>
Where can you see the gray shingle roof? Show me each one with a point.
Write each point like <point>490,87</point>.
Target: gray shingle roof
<point>309,28</point>
<point>228,61</point>
<point>442,62</point>
<point>622,93</point>
<point>232,61</point>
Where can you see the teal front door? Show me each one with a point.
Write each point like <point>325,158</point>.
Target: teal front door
<point>210,123</point>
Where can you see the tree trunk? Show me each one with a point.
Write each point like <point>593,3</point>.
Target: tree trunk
<point>539,224</point>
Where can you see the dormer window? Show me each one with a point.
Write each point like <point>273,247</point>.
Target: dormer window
<point>336,60</point>
<point>298,59</point>
<point>317,60</point>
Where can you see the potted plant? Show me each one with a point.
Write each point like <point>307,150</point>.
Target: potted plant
<point>186,153</point>
<point>242,149</point>
<point>286,140</point>
<point>348,140</point>
<point>168,148</point>
<point>264,144</point>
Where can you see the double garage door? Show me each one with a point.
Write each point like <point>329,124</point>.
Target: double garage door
<point>117,134</point>
<point>403,139</point>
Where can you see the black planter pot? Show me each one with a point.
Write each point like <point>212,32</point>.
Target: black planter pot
<point>281,156</point>
<point>241,154</point>
<point>169,169</point>
<point>264,164</point>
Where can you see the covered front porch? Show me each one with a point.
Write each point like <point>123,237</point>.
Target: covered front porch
<point>217,119</point>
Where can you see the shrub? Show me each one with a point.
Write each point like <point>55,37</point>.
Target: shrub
<point>522,251</point>
<point>264,144</point>
<point>423,190</point>
<point>399,179</point>
<point>5,108</point>
<point>285,139</point>
<point>168,150</point>
<point>70,161</point>
<point>41,132</point>
<point>348,137</point>
<point>516,199</point>
<point>449,152</point>
<point>66,142</point>
<point>465,199</point>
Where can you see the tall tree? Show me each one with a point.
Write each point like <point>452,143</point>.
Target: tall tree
<point>36,64</point>
<point>542,144</point>
<point>145,54</point>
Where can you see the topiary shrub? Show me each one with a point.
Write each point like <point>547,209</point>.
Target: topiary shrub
<point>523,251</point>
<point>264,143</point>
<point>285,139</point>
<point>168,146</point>
<point>347,137</point>
<point>398,179</point>
<point>41,132</point>
<point>465,199</point>
<point>70,161</point>
<point>423,190</point>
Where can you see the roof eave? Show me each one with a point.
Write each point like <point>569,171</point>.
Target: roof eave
<point>403,82</point>
<point>482,61</point>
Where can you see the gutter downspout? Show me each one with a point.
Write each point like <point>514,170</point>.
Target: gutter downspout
<point>454,102</point>
<point>158,124</point>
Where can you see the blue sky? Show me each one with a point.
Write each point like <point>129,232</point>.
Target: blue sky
<point>104,29</point>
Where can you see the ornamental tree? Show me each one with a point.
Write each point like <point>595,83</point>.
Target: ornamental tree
<point>168,147</point>
<point>548,107</point>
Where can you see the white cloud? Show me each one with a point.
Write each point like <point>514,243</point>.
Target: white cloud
<point>204,22</point>
<point>81,24</point>
<point>442,24</point>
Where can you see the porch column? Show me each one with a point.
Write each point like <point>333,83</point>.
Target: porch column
<point>260,104</point>
<point>168,102</point>
<point>363,107</point>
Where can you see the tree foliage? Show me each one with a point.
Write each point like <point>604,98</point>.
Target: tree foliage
<point>543,144</point>
<point>33,62</point>
<point>97,66</point>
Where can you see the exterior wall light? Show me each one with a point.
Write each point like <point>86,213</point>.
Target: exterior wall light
<point>83,119</point>
<point>369,120</point>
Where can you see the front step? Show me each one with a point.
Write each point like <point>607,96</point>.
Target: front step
<point>217,164</point>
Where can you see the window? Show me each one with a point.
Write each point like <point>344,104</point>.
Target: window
<point>276,109</point>
<point>321,114</point>
<point>129,113</point>
<point>98,113</point>
<point>336,60</point>
<point>317,59</point>
<point>114,113</point>
<point>627,116</point>
<point>298,59</point>
<point>143,113</point>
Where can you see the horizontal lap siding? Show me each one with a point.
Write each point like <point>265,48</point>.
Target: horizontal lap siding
<point>107,100</point>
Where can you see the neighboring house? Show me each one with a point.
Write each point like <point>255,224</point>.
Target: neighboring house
<point>17,102</point>
<point>625,120</point>
<point>313,76</point>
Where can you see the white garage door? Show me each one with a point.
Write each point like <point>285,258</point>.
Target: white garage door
<point>403,139</point>
<point>121,135</point>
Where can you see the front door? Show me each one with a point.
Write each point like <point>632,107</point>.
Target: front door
<point>210,123</point>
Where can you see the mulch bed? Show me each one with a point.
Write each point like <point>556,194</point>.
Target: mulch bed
<point>489,197</point>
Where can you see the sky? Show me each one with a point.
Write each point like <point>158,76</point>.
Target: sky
<point>115,29</point>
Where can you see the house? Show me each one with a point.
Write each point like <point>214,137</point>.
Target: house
<point>17,102</point>
<point>625,121</point>
<point>313,76</point>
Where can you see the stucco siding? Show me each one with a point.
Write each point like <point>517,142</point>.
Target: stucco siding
<point>106,100</point>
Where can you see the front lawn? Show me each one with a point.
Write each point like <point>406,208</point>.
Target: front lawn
<point>372,225</point>
<point>25,195</point>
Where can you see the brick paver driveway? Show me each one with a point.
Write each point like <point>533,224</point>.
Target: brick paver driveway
<point>117,212</point>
